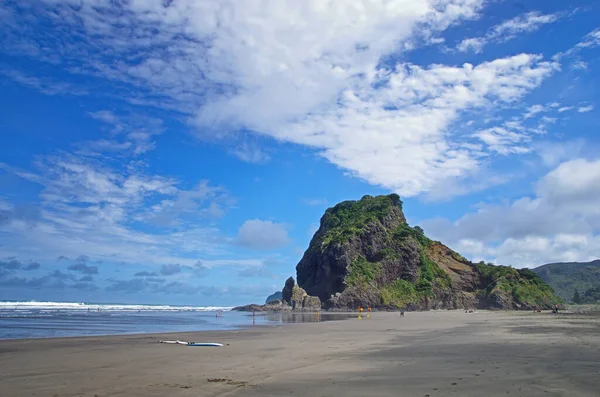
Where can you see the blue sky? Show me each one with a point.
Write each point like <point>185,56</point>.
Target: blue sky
<point>183,152</point>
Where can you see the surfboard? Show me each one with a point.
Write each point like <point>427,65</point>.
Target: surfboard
<point>181,342</point>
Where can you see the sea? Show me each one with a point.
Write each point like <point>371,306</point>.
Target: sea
<point>22,320</point>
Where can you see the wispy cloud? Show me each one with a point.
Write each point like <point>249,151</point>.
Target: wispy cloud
<point>508,30</point>
<point>46,86</point>
<point>262,235</point>
<point>87,206</point>
<point>585,109</point>
<point>315,202</point>
<point>560,222</point>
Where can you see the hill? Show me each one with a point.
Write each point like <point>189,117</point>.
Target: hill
<point>273,297</point>
<point>365,253</point>
<point>566,278</point>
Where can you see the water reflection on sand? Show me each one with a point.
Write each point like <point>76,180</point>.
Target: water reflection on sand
<point>300,317</point>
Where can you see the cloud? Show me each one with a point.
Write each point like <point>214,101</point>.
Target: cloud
<point>239,79</point>
<point>137,285</point>
<point>45,86</point>
<point>585,109</point>
<point>177,287</point>
<point>522,134</point>
<point>200,270</point>
<point>31,266</point>
<point>250,152</point>
<point>54,280</point>
<point>169,270</point>
<point>26,213</point>
<point>133,133</point>
<point>561,222</point>
<point>86,279</point>
<point>82,258</point>
<point>11,264</point>
<point>87,204</point>
<point>315,202</point>
<point>203,201</point>
<point>128,286</point>
<point>262,235</point>
<point>592,39</point>
<point>145,274</point>
<point>83,268</point>
<point>261,272</point>
<point>14,264</point>
<point>554,153</point>
<point>508,30</point>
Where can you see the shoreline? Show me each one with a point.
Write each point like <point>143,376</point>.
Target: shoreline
<point>423,353</point>
<point>348,315</point>
<point>281,321</point>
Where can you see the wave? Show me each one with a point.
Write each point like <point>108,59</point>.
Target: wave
<point>75,306</point>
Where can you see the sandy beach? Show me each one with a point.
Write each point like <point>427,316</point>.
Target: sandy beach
<point>421,354</point>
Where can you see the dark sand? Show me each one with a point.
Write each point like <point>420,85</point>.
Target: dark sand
<point>422,354</point>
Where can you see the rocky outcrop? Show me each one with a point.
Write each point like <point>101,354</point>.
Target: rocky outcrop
<point>273,306</point>
<point>249,308</point>
<point>365,254</point>
<point>301,301</point>
<point>311,303</point>
<point>286,293</point>
<point>275,296</point>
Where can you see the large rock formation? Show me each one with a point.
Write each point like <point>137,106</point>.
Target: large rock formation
<point>365,254</point>
<point>286,293</point>
<point>274,297</point>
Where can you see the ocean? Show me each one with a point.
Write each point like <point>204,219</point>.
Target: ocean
<point>20,320</point>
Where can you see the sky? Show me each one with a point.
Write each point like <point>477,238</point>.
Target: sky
<point>183,151</point>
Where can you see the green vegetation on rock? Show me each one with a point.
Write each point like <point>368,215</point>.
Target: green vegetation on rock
<point>365,253</point>
<point>565,278</point>
<point>362,272</point>
<point>521,286</point>
<point>399,294</point>
<point>591,296</point>
<point>405,231</point>
<point>349,218</point>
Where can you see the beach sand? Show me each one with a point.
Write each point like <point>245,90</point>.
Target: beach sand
<point>448,353</point>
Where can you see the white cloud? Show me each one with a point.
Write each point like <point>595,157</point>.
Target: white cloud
<point>250,152</point>
<point>592,39</point>
<point>314,82</point>
<point>45,86</point>
<point>204,201</point>
<point>508,30</point>
<point>585,109</point>
<point>502,140</point>
<point>87,207</point>
<point>565,109</point>
<point>305,72</point>
<point>579,65</point>
<point>262,235</point>
<point>560,222</point>
<point>474,44</point>
<point>133,133</point>
<point>553,153</point>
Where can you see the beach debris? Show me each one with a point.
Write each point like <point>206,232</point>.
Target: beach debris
<point>228,381</point>
<point>181,342</point>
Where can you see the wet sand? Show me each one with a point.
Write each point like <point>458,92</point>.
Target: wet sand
<point>422,354</point>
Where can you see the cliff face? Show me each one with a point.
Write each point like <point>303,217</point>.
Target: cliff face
<point>365,253</point>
